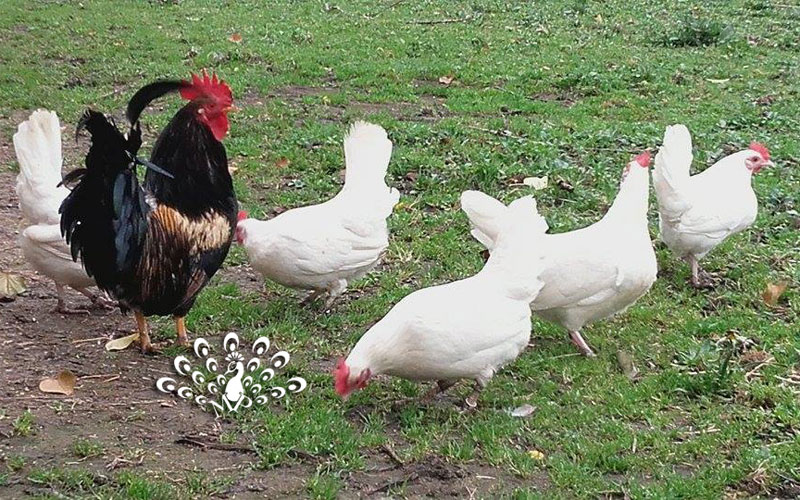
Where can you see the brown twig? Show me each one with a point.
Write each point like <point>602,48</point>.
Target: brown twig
<point>144,402</point>
<point>195,441</point>
<point>81,341</point>
<point>396,482</point>
<point>302,454</point>
<point>440,21</point>
<point>389,451</point>
<point>101,375</point>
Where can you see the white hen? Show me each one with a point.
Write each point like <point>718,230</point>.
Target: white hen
<point>590,273</point>
<point>696,213</point>
<point>38,147</point>
<point>324,247</point>
<point>467,329</point>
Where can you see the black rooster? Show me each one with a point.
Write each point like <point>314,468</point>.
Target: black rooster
<point>155,246</point>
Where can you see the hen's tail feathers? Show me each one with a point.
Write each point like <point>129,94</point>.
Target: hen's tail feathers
<point>487,216</point>
<point>38,147</point>
<point>149,93</point>
<point>518,257</point>
<point>367,151</point>
<point>671,173</point>
<point>104,218</point>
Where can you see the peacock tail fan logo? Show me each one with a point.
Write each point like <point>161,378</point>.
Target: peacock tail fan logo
<point>237,384</point>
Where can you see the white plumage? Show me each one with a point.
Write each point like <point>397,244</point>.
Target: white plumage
<point>467,329</point>
<point>324,247</point>
<point>37,143</point>
<point>590,273</point>
<point>697,213</point>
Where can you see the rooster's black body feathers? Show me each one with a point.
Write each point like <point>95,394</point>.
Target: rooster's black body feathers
<point>152,246</point>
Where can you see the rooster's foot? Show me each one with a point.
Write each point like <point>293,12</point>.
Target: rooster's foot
<point>182,332</point>
<point>149,349</point>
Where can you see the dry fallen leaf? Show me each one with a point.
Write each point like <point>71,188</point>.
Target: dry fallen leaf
<point>536,454</point>
<point>63,383</point>
<point>626,364</point>
<point>232,169</point>
<point>122,342</point>
<point>235,38</point>
<point>565,185</point>
<point>282,162</point>
<point>11,285</point>
<point>537,183</point>
<point>446,79</point>
<point>522,411</point>
<point>773,293</point>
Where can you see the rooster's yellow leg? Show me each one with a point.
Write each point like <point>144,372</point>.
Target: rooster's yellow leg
<point>180,327</point>
<point>144,333</point>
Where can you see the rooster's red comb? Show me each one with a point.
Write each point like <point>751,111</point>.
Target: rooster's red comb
<point>643,159</point>
<point>241,216</point>
<point>760,149</point>
<point>204,86</point>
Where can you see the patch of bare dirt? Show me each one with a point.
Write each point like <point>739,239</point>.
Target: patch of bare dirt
<point>428,108</point>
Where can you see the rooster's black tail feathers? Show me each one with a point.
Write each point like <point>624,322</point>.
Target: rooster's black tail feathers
<point>104,218</point>
<point>148,93</point>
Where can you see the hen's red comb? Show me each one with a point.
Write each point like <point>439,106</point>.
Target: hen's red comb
<point>643,159</point>
<point>340,375</point>
<point>760,149</point>
<point>241,216</point>
<point>207,87</point>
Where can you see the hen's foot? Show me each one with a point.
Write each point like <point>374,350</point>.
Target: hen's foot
<point>581,344</point>
<point>62,308</point>
<point>704,281</point>
<point>103,303</point>
<point>471,402</point>
<point>334,291</point>
<point>438,388</point>
<point>311,297</point>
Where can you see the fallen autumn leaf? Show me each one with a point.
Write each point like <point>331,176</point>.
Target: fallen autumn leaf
<point>122,342</point>
<point>11,285</point>
<point>63,383</point>
<point>772,294</point>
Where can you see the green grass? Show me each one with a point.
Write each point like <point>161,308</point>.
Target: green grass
<point>87,448</point>
<point>569,90</point>
<point>25,424</point>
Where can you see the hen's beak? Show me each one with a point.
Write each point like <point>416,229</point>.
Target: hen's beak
<point>231,109</point>
<point>768,163</point>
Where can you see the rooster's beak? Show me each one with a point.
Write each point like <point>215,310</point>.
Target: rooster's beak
<point>231,109</point>
<point>769,163</point>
